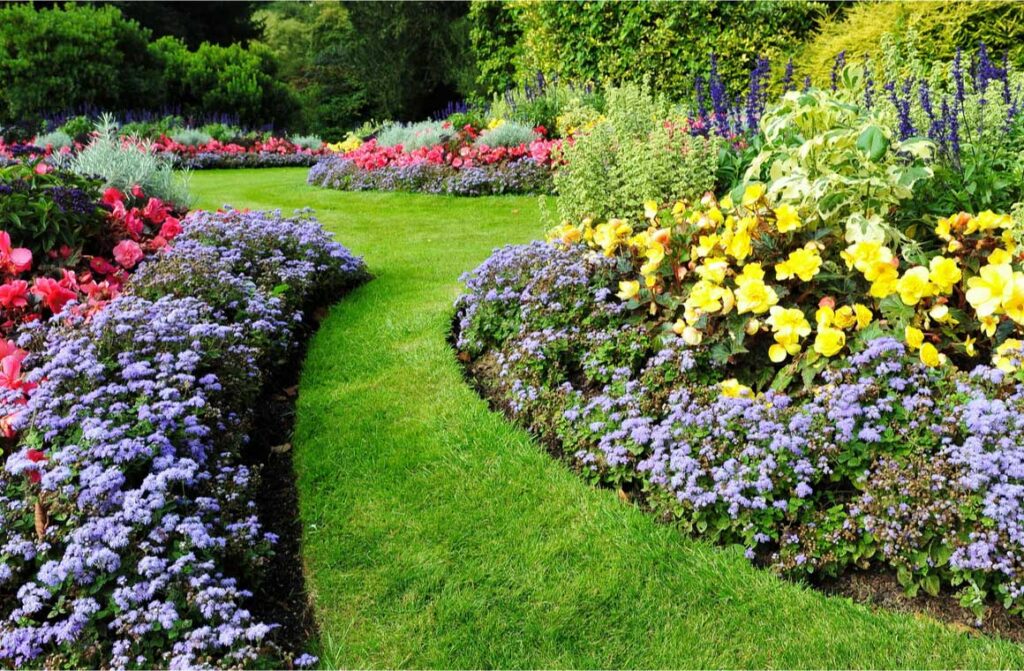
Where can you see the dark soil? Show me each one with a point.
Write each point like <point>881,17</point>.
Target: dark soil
<point>877,589</point>
<point>280,596</point>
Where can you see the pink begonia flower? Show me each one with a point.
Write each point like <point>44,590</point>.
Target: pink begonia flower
<point>137,191</point>
<point>134,223</point>
<point>43,168</point>
<point>171,228</point>
<point>53,293</point>
<point>19,257</point>
<point>14,294</point>
<point>128,253</point>
<point>156,211</point>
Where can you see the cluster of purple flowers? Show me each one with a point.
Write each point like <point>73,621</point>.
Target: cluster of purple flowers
<point>884,462</point>
<point>128,532</point>
<point>523,175</point>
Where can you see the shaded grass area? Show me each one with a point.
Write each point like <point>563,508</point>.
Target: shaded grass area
<point>439,535</point>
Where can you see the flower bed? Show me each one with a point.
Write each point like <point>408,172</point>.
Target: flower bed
<point>272,152</point>
<point>885,462</point>
<point>464,169</point>
<point>128,532</point>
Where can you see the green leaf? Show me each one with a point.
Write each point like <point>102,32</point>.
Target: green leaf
<point>873,143</point>
<point>931,584</point>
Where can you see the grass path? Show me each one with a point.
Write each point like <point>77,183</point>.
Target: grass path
<point>438,535</point>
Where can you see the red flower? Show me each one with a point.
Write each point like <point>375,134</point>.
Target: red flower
<point>171,228</point>
<point>35,456</point>
<point>51,292</point>
<point>134,223</point>
<point>112,196</point>
<point>43,168</point>
<point>155,211</point>
<point>128,253</point>
<point>137,191</point>
<point>14,294</point>
<point>102,266</point>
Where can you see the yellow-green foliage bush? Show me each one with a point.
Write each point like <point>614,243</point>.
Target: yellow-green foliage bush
<point>940,28</point>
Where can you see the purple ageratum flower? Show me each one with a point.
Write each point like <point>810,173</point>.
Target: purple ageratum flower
<point>141,413</point>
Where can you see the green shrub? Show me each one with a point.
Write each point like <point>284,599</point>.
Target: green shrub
<point>43,212</point>
<point>192,137</point>
<point>123,165</point>
<point>413,136</point>
<point>154,128</point>
<point>78,127</point>
<point>307,141</point>
<point>508,134</point>
<point>73,56</point>
<point>627,41</point>
<point>57,139</point>
<point>630,156</point>
<point>214,79</point>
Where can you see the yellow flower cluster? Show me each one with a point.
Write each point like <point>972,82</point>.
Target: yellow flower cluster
<point>350,143</point>
<point>752,268</point>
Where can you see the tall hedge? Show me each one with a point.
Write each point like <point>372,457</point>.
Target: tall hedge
<point>79,55</point>
<point>667,42</point>
<point>941,27</point>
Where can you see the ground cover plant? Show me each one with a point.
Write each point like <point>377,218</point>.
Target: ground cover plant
<point>135,344</point>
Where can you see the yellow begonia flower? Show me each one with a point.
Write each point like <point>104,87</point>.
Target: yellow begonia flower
<point>829,341</point>
<point>985,291</point>
<point>655,254</point>
<point>884,283</point>
<point>1013,299</point>
<point>752,194</point>
<point>788,326</point>
<point>726,203</point>
<point>999,257</point>
<point>864,315</point>
<point>713,270</point>
<point>692,336</point>
<point>751,271</point>
<point>705,297</point>
<point>942,228</point>
<point>989,324</point>
<point>609,235</point>
<point>715,215</point>
<point>989,220</point>
<point>803,263</point>
<point>915,285</point>
<point>787,219</point>
<point>845,318</point>
<point>940,313</point>
<point>930,356</point>
<point>866,255</point>
<point>737,242</point>
<point>706,244</point>
<point>495,123</point>
<point>969,346</point>
<point>733,389</point>
<point>944,273</point>
<point>1007,355</point>
<point>650,209</point>
<point>789,320</point>
<point>913,336</point>
<point>628,289</point>
<point>755,296</point>
<point>824,316</point>
<point>678,208</point>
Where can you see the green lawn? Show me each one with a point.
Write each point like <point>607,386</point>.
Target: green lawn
<point>439,535</point>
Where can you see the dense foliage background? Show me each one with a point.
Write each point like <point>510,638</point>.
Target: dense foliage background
<point>326,67</point>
